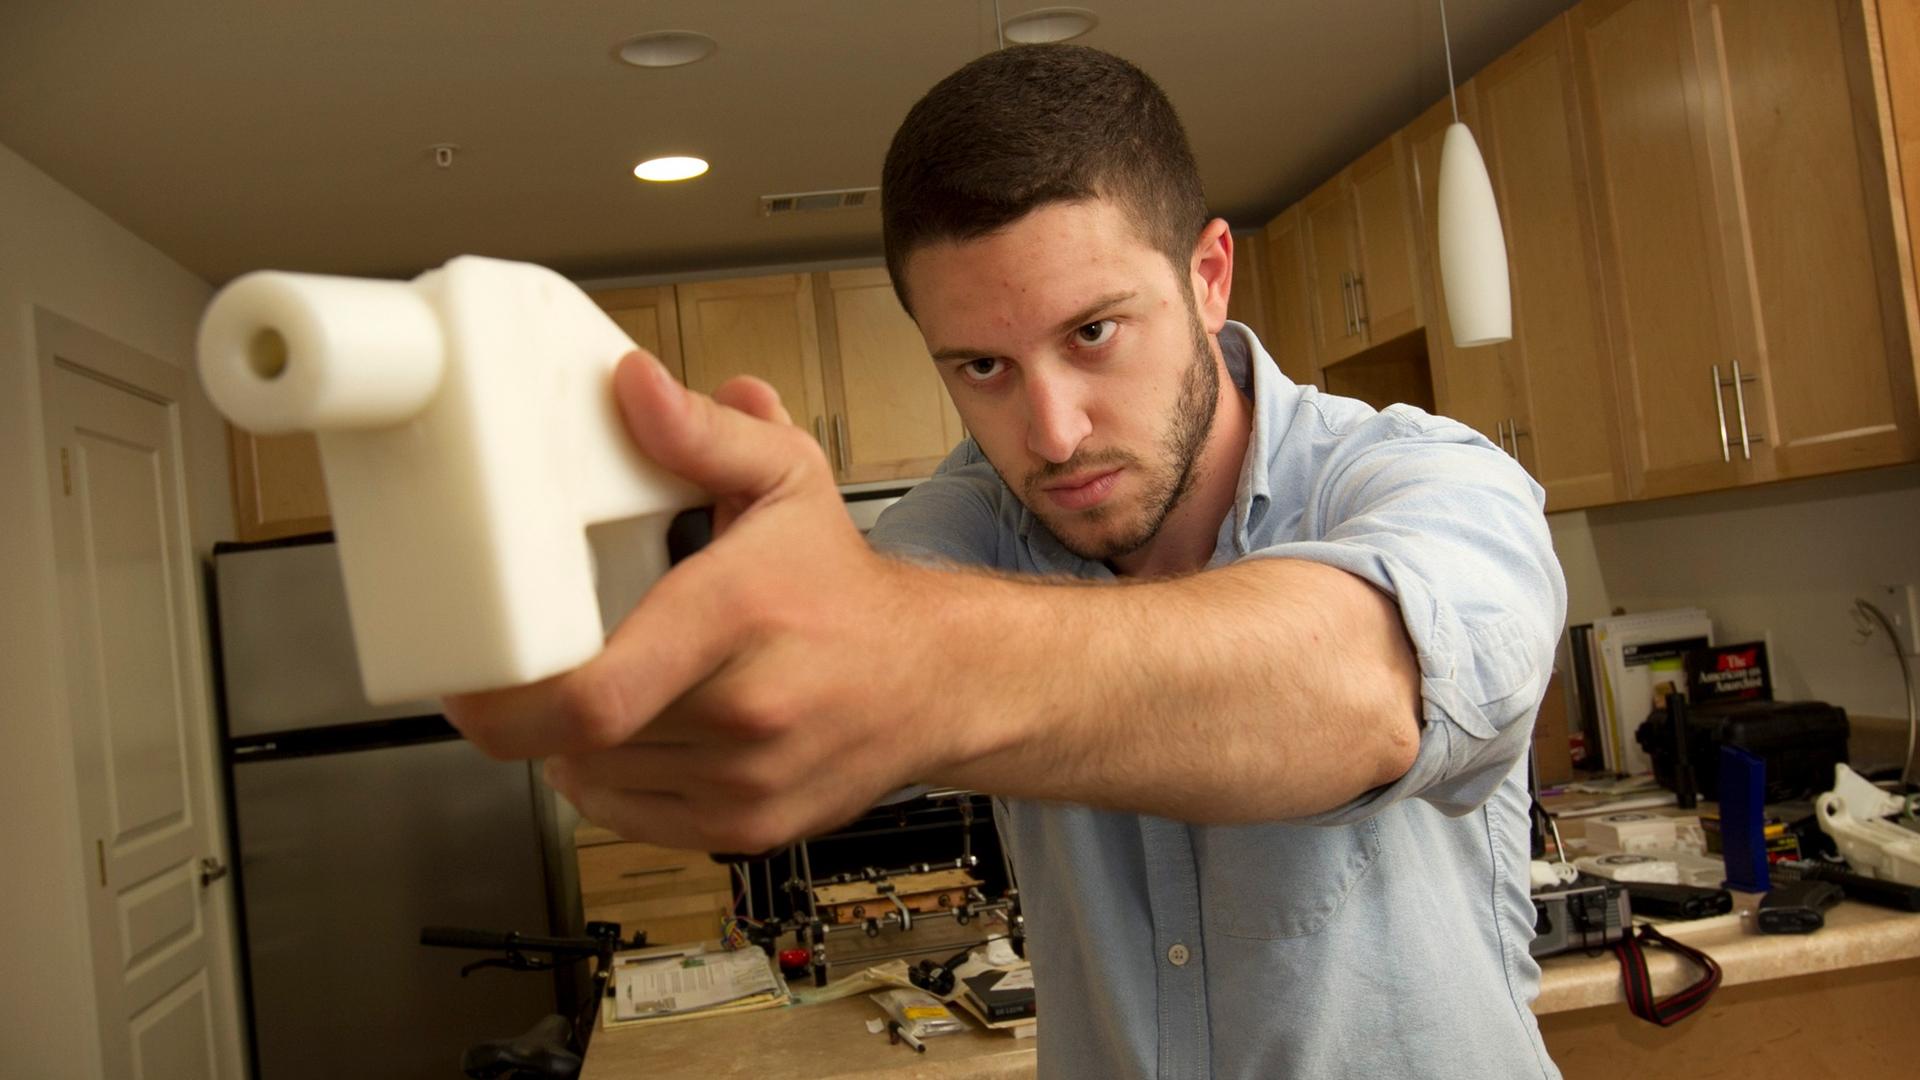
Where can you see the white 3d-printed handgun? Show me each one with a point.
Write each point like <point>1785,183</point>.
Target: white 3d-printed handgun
<point>469,435</point>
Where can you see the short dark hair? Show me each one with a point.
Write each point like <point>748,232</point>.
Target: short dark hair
<point>1031,125</point>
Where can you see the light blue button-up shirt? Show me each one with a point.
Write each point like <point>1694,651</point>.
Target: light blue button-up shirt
<point>1385,938</point>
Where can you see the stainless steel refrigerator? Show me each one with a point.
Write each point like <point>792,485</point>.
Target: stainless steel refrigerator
<point>354,827</point>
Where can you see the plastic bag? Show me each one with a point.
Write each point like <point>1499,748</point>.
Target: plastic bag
<point>918,1012</point>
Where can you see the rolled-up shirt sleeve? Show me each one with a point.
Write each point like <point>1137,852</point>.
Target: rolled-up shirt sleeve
<point>1440,519</point>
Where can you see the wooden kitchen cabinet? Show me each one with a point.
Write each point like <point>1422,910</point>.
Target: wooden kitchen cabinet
<point>1556,372</point>
<point>650,316</point>
<point>1248,297</point>
<point>278,489</point>
<point>889,416</point>
<point>1746,240</point>
<point>677,897</point>
<point>1360,251</point>
<point>762,326</point>
<point>1290,300</point>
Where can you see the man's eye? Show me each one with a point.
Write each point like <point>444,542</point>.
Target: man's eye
<point>1096,333</point>
<point>981,369</point>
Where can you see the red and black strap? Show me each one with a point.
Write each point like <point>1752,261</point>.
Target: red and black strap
<point>1633,972</point>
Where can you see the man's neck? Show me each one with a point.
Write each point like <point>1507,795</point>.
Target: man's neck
<point>1186,540</point>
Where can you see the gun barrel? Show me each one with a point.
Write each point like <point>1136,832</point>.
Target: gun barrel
<point>283,352</point>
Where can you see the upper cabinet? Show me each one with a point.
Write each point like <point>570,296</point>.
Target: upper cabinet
<point>1359,245</point>
<point>1747,240</point>
<point>761,326</point>
<point>649,316</point>
<point>277,486</point>
<point>1248,299</point>
<point>1290,312</point>
<point>849,364</point>
<point>1557,369</point>
<point>889,415</point>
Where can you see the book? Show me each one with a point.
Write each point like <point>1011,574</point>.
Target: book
<point>1729,673</point>
<point>1631,648</point>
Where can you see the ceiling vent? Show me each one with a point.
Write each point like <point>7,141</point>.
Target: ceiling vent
<point>813,201</point>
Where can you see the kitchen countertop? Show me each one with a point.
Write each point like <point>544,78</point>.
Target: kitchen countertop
<point>830,1040</point>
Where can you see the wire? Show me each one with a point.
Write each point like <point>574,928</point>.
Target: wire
<point>1446,43</point>
<point>1906,678</point>
<point>999,27</point>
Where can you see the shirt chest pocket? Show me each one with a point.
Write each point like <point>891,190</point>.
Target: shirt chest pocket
<point>1280,881</point>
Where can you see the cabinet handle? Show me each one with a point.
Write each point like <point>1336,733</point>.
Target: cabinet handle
<point>1740,402</point>
<point>1360,319</point>
<point>820,431</point>
<point>1513,436</point>
<point>1346,301</point>
<point>1720,408</point>
<point>1500,434</point>
<point>841,452</point>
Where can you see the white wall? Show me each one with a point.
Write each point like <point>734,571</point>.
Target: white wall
<point>1782,562</point>
<point>60,253</point>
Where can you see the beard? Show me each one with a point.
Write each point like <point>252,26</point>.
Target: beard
<point>1111,530</point>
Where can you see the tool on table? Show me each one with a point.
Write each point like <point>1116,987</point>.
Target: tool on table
<point>1743,789</point>
<point>1661,901</point>
<point>469,435</point>
<point>897,1034</point>
<point>1797,907</point>
<point>1888,894</point>
<point>1853,814</point>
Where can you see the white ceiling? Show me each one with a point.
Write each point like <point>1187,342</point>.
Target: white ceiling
<point>236,134</point>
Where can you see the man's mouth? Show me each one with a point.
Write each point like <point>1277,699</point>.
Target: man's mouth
<point>1083,491</point>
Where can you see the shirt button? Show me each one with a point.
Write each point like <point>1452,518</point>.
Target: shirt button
<point>1178,955</point>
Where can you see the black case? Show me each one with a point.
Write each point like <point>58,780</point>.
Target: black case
<point>1800,741</point>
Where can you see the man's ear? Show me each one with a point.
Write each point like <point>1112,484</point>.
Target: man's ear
<point>1211,272</point>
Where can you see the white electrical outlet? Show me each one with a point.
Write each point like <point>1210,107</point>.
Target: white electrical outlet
<point>1902,605</point>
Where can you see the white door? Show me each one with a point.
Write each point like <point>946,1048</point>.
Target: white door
<point>142,728</point>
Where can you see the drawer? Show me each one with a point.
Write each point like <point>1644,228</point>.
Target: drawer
<point>624,870</point>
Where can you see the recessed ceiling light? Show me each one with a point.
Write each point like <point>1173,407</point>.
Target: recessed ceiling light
<point>1042,26</point>
<point>666,48</point>
<point>663,169</point>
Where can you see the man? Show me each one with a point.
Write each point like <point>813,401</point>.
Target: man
<point>1263,791</point>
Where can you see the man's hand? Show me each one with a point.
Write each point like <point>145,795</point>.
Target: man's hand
<point>741,704</point>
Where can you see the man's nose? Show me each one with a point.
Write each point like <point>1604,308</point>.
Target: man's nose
<point>1057,421</point>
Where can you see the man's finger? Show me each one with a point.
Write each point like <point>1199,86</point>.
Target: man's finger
<point>754,396</point>
<point>721,449</point>
<point>677,637</point>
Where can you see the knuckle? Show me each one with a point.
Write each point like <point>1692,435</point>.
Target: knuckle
<point>748,830</point>
<point>591,705</point>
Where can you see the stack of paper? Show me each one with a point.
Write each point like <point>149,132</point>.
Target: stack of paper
<point>674,983</point>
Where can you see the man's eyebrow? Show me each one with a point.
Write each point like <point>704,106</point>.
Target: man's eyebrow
<point>1080,318</point>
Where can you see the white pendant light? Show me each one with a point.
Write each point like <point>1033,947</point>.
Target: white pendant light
<point>1473,250</point>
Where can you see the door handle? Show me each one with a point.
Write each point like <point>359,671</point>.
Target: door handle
<point>1360,319</point>
<point>1740,402</point>
<point>211,870</point>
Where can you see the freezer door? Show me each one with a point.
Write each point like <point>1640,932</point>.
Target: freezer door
<point>286,645</point>
<point>343,858</point>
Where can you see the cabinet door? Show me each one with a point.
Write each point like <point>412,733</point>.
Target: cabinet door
<point>1482,387</point>
<point>1384,291</point>
<point>1654,198</point>
<point>650,317</point>
<point>1825,319</point>
<point>762,326</point>
<point>1566,431</point>
<point>278,489</point>
<point>1290,300</point>
<point>890,415</point>
<point>1247,302</point>
<point>1328,215</point>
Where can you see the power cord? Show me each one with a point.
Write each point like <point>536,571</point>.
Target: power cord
<point>1866,608</point>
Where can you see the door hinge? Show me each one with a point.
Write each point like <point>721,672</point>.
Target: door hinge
<point>66,472</point>
<point>100,853</point>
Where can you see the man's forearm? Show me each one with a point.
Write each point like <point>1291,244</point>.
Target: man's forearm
<point>1262,691</point>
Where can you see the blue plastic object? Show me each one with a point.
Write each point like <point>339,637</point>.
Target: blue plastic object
<point>1743,820</point>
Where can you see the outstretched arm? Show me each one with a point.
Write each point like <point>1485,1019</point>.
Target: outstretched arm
<point>784,678</point>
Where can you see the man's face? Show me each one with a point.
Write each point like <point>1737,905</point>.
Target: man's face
<point>1074,352</point>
